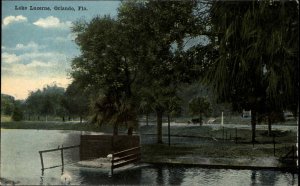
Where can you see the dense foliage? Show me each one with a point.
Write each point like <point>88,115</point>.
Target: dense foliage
<point>140,59</point>
<point>257,47</point>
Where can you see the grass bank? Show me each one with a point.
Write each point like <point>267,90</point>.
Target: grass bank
<point>223,133</point>
<point>220,146</point>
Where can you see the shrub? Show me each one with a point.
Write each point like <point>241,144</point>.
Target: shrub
<point>17,114</point>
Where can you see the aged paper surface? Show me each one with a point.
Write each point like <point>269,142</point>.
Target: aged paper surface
<point>37,50</point>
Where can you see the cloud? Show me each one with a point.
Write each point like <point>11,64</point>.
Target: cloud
<point>30,69</point>
<point>30,46</point>
<point>34,69</point>
<point>43,56</point>
<point>31,56</point>
<point>52,22</point>
<point>11,19</point>
<point>34,64</point>
<point>10,58</point>
<point>70,37</point>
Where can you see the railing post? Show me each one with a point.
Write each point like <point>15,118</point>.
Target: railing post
<point>41,155</point>
<point>112,164</point>
<point>62,157</point>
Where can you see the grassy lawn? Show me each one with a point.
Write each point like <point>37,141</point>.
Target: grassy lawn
<point>219,147</point>
<point>243,135</point>
<point>5,118</point>
<point>157,152</point>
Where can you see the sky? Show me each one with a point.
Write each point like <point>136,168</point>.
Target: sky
<point>38,45</point>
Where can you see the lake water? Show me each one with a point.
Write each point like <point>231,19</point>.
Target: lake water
<point>20,161</point>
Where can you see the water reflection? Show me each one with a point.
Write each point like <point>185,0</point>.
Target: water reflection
<point>291,180</point>
<point>253,178</point>
<point>159,176</point>
<point>270,178</point>
<point>176,175</point>
<point>96,177</point>
<point>42,180</point>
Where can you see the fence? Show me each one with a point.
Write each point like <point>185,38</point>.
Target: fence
<point>125,157</point>
<point>61,149</point>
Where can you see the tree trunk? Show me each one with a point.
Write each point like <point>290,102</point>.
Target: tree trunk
<point>269,124</point>
<point>253,124</point>
<point>80,119</point>
<point>115,130</point>
<point>130,131</point>
<point>159,126</point>
<point>200,118</point>
<point>127,80</point>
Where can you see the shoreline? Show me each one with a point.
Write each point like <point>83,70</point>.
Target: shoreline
<point>231,156</point>
<point>234,167</point>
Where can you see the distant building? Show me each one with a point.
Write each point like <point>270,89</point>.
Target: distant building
<point>246,113</point>
<point>288,115</point>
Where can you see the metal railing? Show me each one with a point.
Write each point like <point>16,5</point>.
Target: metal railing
<point>61,149</point>
<point>125,157</point>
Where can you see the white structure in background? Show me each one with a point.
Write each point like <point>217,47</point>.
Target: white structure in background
<point>288,115</point>
<point>246,113</point>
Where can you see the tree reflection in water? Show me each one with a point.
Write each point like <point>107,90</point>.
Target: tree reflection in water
<point>176,175</point>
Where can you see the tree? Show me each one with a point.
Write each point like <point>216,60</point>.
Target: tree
<point>257,45</point>
<point>17,114</point>
<point>155,27</point>
<point>199,106</point>
<point>106,69</point>
<point>7,104</point>
<point>123,56</point>
<point>33,104</point>
<point>76,102</point>
<point>173,108</point>
<point>45,102</point>
<point>145,108</point>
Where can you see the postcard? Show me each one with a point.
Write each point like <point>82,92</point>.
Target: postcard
<point>97,92</point>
